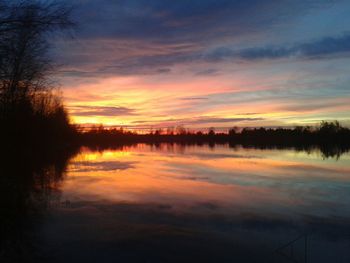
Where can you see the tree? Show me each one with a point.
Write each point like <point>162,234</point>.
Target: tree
<point>25,89</point>
<point>211,131</point>
<point>330,127</point>
<point>233,131</point>
<point>24,63</point>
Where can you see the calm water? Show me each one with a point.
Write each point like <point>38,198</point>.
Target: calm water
<point>198,204</point>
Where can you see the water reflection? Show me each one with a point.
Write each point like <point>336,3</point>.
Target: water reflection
<point>29,185</point>
<point>176,203</point>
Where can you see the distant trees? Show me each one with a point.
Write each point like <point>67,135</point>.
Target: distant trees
<point>211,131</point>
<point>330,137</point>
<point>324,128</point>
<point>180,130</point>
<point>330,127</point>
<point>233,131</point>
<point>28,100</point>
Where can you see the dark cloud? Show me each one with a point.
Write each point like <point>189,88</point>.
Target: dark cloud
<point>101,166</point>
<point>207,72</point>
<point>149,37</point>
<point>303,105</point>
<point>199,121</point>
<point>101,111</point>
<point>161,64</point>
<point>205,120</point>
<point>194,98</point>
<point>264,53</point>
<point>316,49</point>
<point>183,20</point>
<point>208,156</point>
<point>325,46</point>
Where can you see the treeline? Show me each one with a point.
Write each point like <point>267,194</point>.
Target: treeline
<point>329,136</point>
<point>31,110</point>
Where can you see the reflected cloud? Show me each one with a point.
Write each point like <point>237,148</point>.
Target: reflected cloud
<point>169,196</point>
<point>87,166</point>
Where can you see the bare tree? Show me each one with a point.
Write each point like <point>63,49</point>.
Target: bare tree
<point>24,31</point>
<point>29,106</point>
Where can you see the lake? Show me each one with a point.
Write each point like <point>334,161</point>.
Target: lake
<point>176,203</point>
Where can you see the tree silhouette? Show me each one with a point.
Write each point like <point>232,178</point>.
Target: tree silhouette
<point>27,97</point>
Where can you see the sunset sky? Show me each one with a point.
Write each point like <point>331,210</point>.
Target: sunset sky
<point>203,63</point>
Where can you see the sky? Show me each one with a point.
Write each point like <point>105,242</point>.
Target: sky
<point>206,63</point>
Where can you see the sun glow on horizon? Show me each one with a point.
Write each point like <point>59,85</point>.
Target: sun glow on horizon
<point>275,70</point>
<point>138,102</point>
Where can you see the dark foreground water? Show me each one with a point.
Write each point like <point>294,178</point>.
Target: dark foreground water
<point>177,203</point>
